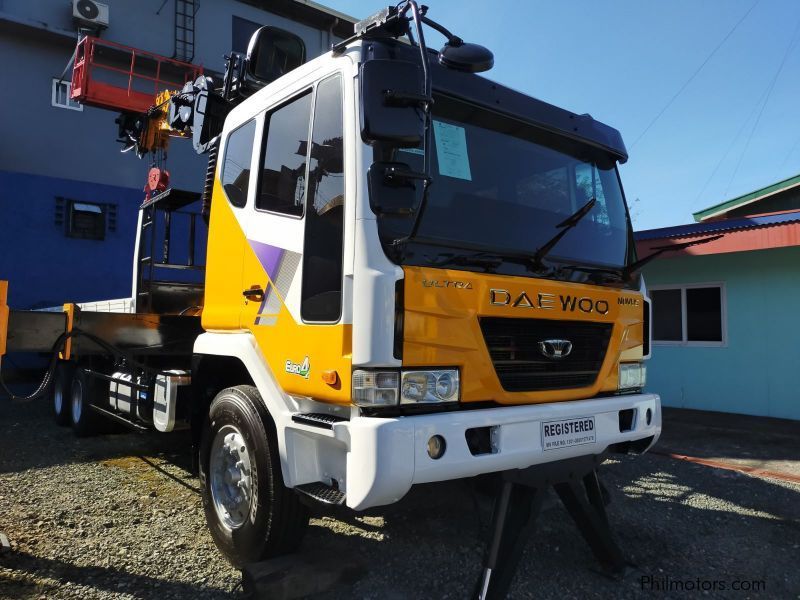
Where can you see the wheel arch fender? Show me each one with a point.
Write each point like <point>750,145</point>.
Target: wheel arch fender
<point>226,359</point>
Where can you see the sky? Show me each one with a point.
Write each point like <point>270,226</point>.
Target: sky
<point>733,128</point>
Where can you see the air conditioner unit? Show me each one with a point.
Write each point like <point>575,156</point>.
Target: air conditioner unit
<point>91,13</point>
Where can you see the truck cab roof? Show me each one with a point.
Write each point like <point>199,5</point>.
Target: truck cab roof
<point>497,97</point>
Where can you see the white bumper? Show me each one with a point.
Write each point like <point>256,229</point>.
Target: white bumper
<point>387,456</point>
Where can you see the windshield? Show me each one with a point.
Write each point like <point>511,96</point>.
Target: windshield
<point>505,185</point>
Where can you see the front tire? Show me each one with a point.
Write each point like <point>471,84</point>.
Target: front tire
<point>250,513</point>
<point>62,392</point>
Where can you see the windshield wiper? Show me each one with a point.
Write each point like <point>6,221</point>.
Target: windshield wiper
<point>628,271</point>
<point>490,261</point>
<point>482,259</point>
<point>616,273</point>
<point>564,226</point>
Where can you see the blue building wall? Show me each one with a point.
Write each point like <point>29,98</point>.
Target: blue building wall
<point>758,371</point>
<point>47,151</point>
<point>43,265</point>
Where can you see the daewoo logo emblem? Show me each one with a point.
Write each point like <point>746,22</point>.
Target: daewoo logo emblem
<point>555,349</point>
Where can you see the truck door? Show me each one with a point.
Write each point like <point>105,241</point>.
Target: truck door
<point>292,275</point>
<point>232,187</point>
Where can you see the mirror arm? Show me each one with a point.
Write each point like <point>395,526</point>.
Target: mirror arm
<point>394,175</point>
<point>426,147</point>
<point>397,177</point>
<point>405,99</point>
<point>453,40</point>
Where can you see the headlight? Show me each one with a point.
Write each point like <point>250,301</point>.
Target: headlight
<point>375,388</point>
<point>632,376</point>
<point>390,388</point>
<point>424,387</point>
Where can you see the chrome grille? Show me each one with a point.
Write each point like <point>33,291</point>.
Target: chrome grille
<point>513,345</point>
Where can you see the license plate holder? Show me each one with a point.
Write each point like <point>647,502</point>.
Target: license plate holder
<point>565,433</point>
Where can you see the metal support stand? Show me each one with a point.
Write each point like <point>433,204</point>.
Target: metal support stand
<point>5,545</point>
<point>517,507</point>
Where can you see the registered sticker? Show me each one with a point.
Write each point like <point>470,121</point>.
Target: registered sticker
<point>568,432</point>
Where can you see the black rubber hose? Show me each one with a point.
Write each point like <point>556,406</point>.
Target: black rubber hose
<point>47,380</point>
<point>44,386</point>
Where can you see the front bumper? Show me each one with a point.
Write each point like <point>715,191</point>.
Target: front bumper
<point>387,456</point>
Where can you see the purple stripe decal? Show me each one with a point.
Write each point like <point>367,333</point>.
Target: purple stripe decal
<point>268,256</point>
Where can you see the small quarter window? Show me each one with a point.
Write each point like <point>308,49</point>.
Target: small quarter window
<point>236,167</point>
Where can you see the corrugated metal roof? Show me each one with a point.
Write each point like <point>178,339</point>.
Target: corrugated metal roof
<point>717,226</point>
<point>769,190</point>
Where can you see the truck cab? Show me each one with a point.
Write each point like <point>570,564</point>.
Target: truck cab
<point>393,344</point>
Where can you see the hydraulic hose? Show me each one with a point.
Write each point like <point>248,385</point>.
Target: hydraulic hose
<point>43,388</point>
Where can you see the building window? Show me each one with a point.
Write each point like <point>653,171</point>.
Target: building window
<point>61,95</point>
<point>689,315</point>
<point>86,221</point>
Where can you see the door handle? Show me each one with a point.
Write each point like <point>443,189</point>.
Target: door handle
<point>254,293</point>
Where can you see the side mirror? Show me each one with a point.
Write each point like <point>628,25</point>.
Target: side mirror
<point>393,188</point>
<point>391,92</point>
<point>271,53</point>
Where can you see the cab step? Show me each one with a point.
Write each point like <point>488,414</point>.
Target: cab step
<point>321,420</point>
<point>322,492</point>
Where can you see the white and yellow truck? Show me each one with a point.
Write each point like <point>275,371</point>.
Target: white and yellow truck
<point>413,274</point>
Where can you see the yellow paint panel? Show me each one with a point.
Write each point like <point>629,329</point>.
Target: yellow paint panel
<point>328,347</point>
<point>442,308</point>
<point>232,266</point>
<point>223,289</point>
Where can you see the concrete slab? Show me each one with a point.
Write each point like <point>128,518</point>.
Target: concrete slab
<point>759,446</point>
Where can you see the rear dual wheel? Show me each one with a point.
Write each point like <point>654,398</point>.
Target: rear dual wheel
<point>84,391</point>
<point>62,392</point>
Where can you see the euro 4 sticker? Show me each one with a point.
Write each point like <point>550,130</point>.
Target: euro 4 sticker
<point>301,369</point>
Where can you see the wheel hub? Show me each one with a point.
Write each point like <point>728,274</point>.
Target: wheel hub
<point>230,477</point>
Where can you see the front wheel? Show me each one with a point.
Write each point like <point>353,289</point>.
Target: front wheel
<point>250,513</point>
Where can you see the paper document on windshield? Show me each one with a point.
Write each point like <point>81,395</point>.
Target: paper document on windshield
<point>451,150</point>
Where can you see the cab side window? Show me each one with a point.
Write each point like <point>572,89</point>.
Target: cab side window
<point>282,184</point>
<point>236,166</point>
<point>324,235</point>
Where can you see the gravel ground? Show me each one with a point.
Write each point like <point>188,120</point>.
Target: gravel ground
<point>119,516</point>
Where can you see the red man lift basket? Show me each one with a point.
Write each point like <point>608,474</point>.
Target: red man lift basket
<point>120,78</point>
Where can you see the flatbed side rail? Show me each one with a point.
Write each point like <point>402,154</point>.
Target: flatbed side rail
<point>135,333</point>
